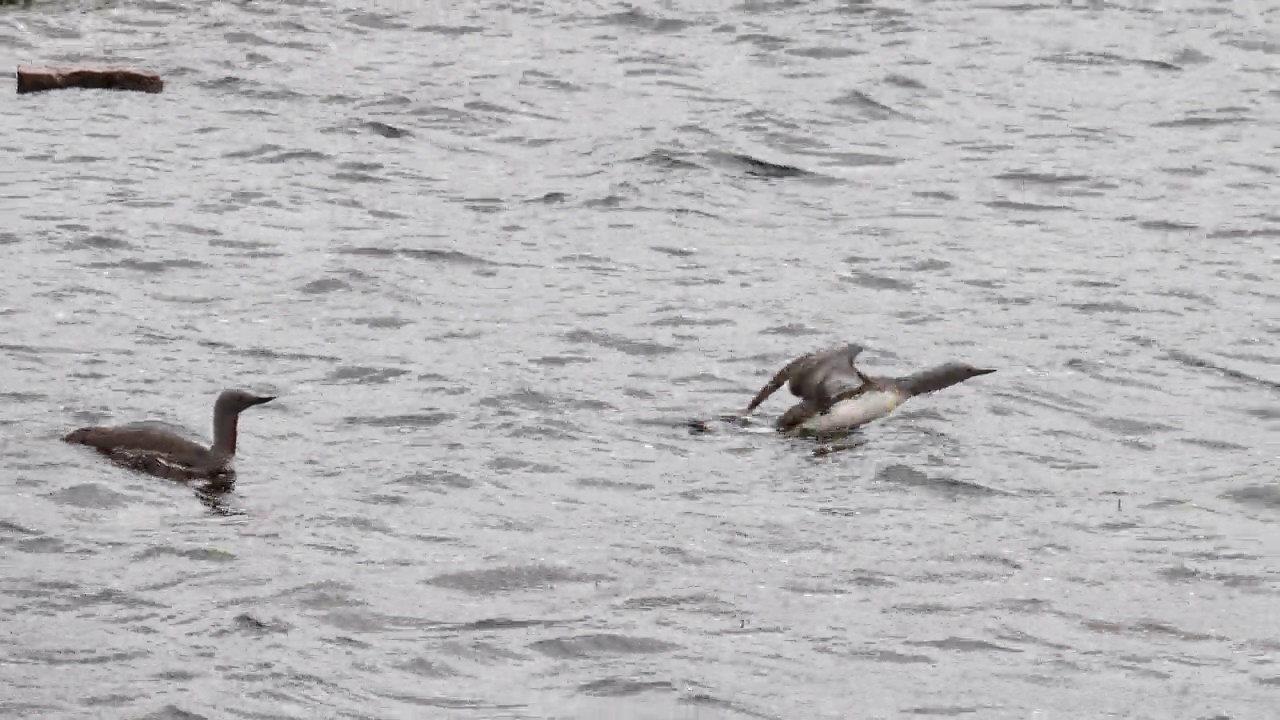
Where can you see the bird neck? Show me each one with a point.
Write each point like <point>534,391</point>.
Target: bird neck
<point>928,381</point>
<point>224,434</point>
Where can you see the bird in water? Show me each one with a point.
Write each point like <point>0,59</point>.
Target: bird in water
<point>817,378</point>
<point>166,454</point>
<point>837,398</point>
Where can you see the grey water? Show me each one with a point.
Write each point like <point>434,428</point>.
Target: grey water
<point>491,256</point>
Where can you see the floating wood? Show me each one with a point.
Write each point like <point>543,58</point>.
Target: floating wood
<point>39,79</point>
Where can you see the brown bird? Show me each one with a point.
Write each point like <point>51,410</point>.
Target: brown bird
<point>166,454</point>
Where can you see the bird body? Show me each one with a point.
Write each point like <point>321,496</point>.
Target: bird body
<point>165,453</point>
<point>852,413</point>
<point>836,397</point>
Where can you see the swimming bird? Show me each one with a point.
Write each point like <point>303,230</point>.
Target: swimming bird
<point>164,453</point>
<point>836,397</point>
<point>875,398</point>
<point>816,378</point>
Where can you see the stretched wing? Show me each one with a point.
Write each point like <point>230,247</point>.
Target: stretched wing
<point>827,376</point>
<point>778,380</point>
<point>815,377</point>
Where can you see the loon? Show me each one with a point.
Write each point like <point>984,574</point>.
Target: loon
<point>166,454</point>
<point>816,378</point>
<point>836,397</point>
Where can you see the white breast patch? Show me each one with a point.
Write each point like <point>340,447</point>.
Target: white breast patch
<point>849,414</point>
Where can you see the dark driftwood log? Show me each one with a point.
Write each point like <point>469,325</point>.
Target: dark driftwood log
<point>38,79</point>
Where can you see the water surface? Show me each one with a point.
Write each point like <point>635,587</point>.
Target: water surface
<point>490,256</point>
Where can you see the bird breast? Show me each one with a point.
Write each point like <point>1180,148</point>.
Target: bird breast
<point>860,410</point>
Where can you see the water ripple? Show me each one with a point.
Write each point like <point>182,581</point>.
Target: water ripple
<point>493,257</point>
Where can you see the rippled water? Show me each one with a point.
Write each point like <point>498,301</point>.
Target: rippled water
<point>491,256</point>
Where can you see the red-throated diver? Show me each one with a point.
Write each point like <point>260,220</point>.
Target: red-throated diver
<point>836,397</point>
<point>816,378</point>
<point>164,453</point>
<point>879,396</point>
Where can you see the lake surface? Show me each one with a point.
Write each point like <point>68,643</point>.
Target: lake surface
<point>492,256</point>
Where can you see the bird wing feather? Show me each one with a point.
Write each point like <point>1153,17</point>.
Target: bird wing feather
<point>114,439</point>
<point>815,377</point>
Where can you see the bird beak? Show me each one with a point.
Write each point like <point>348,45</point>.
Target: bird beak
<point>984,371</point>
<point>259,401</point>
